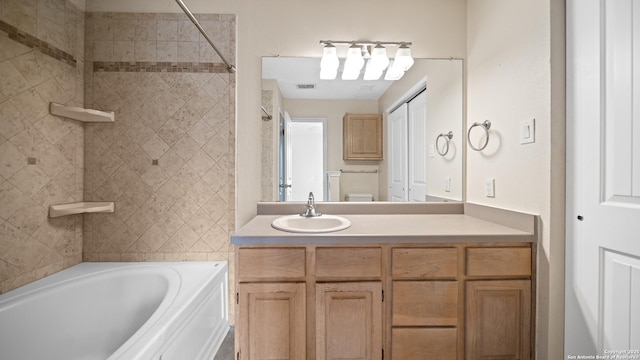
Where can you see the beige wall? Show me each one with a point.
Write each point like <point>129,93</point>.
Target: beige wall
<point>512,75</point>
<point>32,245</point>
<point>334,110</point>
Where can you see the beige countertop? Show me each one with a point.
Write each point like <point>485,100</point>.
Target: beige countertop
<point>389,228</point>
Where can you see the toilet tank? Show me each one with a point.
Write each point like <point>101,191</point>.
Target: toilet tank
<point>359,197</point>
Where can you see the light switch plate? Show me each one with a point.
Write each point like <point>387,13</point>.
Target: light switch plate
<point>432,150</point>
<point>528,131</point>
<point>490,188</point>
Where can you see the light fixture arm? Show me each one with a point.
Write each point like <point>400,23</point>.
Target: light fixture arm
<point>364,42</point>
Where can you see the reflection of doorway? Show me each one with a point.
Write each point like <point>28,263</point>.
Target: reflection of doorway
<point>303,147</point>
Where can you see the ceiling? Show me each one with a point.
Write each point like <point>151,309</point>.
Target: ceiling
<point>292,71</point>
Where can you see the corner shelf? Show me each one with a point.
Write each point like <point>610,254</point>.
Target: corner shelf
<point>81,208</point>
<point>81,114</point>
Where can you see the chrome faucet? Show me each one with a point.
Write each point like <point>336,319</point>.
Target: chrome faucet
<point>311,207</point>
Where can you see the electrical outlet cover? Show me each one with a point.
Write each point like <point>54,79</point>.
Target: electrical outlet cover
<point>490,188</point>
<point>447,185</point>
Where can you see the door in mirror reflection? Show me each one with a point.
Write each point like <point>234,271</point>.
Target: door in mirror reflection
<point>304,158</point>
<point>408,150</point>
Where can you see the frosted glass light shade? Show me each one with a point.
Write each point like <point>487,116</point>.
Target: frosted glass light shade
<point>403,58</point>
<point>393,72</point>
<point>350,73</point>
<point>329,63</point>
<point>371,72</point>
<point>353,64</point>
<point>328,74</point>
<point>379,58</point>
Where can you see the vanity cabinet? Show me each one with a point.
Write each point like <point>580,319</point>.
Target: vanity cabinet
<point>498,321</point>
<point>271,303</point>
<point>385,301</point>
<point>362,136</point>
<point>273,321</point>
<point>425,305</point>
<point>349,320</point>
<point>348,302</point>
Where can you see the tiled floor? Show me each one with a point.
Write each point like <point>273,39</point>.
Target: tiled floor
<point>226,349</point>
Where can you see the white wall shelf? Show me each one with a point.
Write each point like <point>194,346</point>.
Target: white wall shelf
<point>81,208</point>
<point>81,114</point>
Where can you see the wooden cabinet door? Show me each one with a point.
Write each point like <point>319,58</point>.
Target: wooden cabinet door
<point>362,137</point>
<point>272,321</point>
<point>349,321</point>
<point>498,319</point>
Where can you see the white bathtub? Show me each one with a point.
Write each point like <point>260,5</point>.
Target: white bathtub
<point>124,311</point>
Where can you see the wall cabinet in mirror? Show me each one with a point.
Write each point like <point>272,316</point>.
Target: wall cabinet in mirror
<point>362,136</point>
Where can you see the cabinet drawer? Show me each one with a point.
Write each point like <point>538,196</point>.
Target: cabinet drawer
<point>348,262</point>
<point>499,261</point>
<point>424,263</point>
<point>420,344</point>
<point>425,303</point>
<point>271,263</point>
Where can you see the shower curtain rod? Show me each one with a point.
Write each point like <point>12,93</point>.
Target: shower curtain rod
<point>195,22</point>
<point>266,115</point>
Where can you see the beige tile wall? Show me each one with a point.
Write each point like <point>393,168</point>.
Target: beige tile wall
<point>268,177</point>
<point>147,37</point>
<point>41,156</point>
<point>168,161</point>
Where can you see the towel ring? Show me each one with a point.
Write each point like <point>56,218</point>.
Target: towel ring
<point>446,138</point>
<point>486,125</point>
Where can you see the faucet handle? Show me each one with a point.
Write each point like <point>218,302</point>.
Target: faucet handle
<point>311,200</point>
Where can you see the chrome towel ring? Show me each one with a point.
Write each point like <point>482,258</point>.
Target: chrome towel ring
<point>446,138</point>
<point>486,125</point>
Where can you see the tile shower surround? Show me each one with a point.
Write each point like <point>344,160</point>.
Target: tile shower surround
<point>41,156</point>
<point>181,208</point>
<point>182,120</point>
<point>168,161</point>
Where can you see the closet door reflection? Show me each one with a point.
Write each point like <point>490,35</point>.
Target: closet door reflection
<point>398,154</point>
<point>408,150</point>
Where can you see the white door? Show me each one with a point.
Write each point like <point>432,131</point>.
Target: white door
<point>398,154</point>
<point>417,135</point>
<point>602,297</point>
<point>308,161</point>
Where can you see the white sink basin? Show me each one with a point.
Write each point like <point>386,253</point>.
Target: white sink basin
<point>317,224</point>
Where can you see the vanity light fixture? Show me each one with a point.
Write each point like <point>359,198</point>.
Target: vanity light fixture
<point>375,55</point>
<point>394,72</point>
<point>353,64</point>
<point>371,71</point>
<point>403,58</point>
<point>329,63</point>
<point>379,58</point>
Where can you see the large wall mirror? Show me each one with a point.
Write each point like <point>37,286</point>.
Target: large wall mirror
<point>302,133</point>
